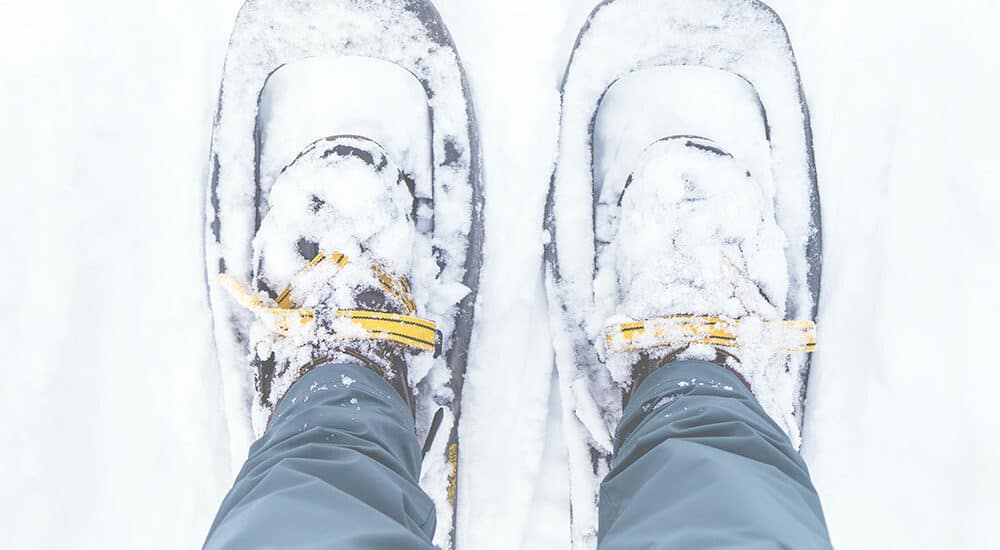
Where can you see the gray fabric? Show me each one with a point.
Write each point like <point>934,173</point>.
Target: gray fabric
<point>699,464</point>
<point>336,468</point>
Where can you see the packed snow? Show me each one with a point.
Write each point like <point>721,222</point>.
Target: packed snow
<point>116,434</point>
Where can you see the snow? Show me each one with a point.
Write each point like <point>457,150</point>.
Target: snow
<point>115,436</point>
<point>303,101</point>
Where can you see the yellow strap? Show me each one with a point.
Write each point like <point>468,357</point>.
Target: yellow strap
<point>282,318</point>
<point>396,286</point>
<point>410,331</point>
<point>278,319</point>
<point>284,299</point>
<point>781,336</point>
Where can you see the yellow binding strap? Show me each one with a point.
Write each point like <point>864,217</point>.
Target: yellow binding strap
<point>284,299</point>
<point>398,287</point>
<point>410,331</point>
<point>282,317</point>
<point>779,336</point>
<point>278,319</point>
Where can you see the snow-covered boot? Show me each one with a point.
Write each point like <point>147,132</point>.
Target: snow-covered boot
<point>332,264</point>
<point>698,265</point>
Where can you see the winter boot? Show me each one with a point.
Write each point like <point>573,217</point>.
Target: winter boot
<point>698,259</point>
<point>332,263</point>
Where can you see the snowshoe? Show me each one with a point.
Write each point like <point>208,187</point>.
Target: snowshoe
<point>680,122</point>
<point>377,88</point>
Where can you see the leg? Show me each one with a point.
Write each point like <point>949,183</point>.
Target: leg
<point>336,468</point>
<point>699,464</point>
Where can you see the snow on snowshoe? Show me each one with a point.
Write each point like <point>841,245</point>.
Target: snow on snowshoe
<point>377,87</point>
<point>683,124</point>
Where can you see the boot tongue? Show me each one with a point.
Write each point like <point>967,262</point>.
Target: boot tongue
<point>689,215</point>
<point>341,194</point>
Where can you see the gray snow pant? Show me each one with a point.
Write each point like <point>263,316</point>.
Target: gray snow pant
<point>698,465</point>
<point>336,468</point>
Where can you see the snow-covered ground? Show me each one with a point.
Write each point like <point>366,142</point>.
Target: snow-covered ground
<point>114,436</point>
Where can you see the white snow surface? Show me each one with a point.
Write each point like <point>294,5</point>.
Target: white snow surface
<point>304,101</point>
<point>115,436</point>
